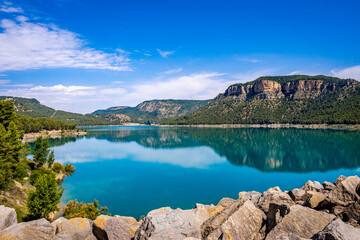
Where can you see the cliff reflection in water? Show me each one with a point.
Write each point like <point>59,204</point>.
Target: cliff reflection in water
<point>282,150</point>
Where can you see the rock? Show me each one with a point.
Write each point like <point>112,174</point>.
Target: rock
<point>297,194</point>
<point>301,221</point>
<point>172,224</point>
<point>159,210</point>
<point>7,217</point>
<point>241,220</point>
<point>358,189</point>
<point>75,228</point>
<point>133,224</point>
<point>274,195</point>
<point>275,214</point>
<point>38,229</point>
<point>111,228</point>
<point>344,194</point>
<point>351,214</point>
<point>328,186</point>
<point>288,236</point>
<point>338,230</point>
<point>225,202</point>
<point>339,179</point>
<point>313,199</point>
<point>312,186</point>
<point>253,196</point>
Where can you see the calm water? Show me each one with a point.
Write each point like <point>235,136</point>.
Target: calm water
<point>133,170</point>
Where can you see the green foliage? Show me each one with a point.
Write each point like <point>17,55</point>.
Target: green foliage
<point>85,210</point>
<point>45,198</point>
<point>41,151</point>
<point>28,125</point>
<point>69,169</point>
<point>36,174</point>
<point>58,167</point>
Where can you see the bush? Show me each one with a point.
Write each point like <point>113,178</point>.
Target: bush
<point>86,210</point>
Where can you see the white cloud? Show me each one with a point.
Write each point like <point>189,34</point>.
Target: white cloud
<point>172,71</point>
<point>85,99</point>
<point>26,45</point>
<point>350,72</point>
<point>2,81</point>
<point>165,54</point>
<point>8,9</point>
<point>250,60</point>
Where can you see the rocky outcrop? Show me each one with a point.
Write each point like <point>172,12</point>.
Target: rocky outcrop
<point>271,89</point>
<point>315,211</point>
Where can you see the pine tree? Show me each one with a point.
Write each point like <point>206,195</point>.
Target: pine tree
<point>41,151</point>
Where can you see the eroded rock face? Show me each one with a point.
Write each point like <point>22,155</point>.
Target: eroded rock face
<point>38,229</point>
<point>338,230</point>
<point>301,221</point>
<point>7,217</point>
<point>111,228</point>
<point>345,192</point>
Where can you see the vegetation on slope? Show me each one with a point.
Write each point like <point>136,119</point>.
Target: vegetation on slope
<point>341,106</point>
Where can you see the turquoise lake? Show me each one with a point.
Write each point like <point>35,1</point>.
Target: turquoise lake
<point>133,170</point>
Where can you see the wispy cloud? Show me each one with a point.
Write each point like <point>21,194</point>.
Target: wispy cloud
<point>27,45</point>
<point>172,71</point>
<point>86,99</point>
<point>250,60</point>
<point>3,81</point>
<point>165,54</point>
<point>8,8</point>
<point>350,72</point>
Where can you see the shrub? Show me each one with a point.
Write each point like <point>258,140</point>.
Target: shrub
<point>86,210</point>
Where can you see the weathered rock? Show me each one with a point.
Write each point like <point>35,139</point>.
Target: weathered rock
<point>226,202</point>
<point>38,229</point>
<point>339,179</point>
<point>328,186</point>
<point>344,194</point>
<point>351,214</point>
<point>274,195</point>
<point>75,228</point>
<point>296,194</point>
<point>288,236</point>
<point>133,224</point>
<point>312,186</point>
<point>338,230</point>
<point>301,221</point>
<point>313,199</point>
<point>7,217</point>
<point>253,196</point>
<point>275,214</point>
<point>241,220</point>
<point>159,210</point>
<point>172,224</point>
<point>111,228</point>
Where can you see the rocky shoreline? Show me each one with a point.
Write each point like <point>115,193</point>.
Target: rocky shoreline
<point>315,211</point>
<point>31,137</point>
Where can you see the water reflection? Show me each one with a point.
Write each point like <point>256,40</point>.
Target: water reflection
<point>278,150</point>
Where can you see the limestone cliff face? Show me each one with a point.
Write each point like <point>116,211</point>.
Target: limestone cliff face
<point>268,89</point>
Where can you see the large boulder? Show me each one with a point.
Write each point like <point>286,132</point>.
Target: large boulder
<point>313,199</point>
<point>111,228</point>
<point>75,228</point>
<point>274,195</point>
<point>241,220</point>
<point>351,214</point>
<point>275,214</point>
<point>253,196</point>
<point>338,230</point>
<point>344,194</point>
<point>7,217</point>
<point>39,229</point>
<point>172,224</point>
<point>301,221</point>
<point>132,223</point>
<point>297,194</point>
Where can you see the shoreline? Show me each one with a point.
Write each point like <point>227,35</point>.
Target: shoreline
<point>31,137</point>
<point>355,127</point>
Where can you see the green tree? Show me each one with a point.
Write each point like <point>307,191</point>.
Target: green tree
<point>51,159</point>
<point>45,198</point>
<point>41,151</point>
<point>86,210</point>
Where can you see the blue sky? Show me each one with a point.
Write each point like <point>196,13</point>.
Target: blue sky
<point>82,55</point>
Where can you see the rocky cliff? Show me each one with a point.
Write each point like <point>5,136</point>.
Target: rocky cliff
<point>297,99</point>
<point>327,211</point>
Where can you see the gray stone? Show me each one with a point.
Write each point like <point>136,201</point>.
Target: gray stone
<point>275,214</point>
<point>339,179</point>
<point>253,196</point>
<point>338,230</point>
<point>7,217</point>
<point>328,186</point>
<point>344,194</point>
<point>111,228</point>
<point>297,194</point>
<point>225,202</point>
<point>241,220</point>
<point>301,221</point>
<point>288,236</point>
<point>39,229</point>
<point>274,195</point>
<point>75,228</point>
<point>312,186</point>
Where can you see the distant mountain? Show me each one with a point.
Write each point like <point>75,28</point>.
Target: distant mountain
<point>154,111</point>
<point>283,99</point>
<point>31,107</point>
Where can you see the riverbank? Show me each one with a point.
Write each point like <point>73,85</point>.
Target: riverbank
<point>355,127</point>
<point>31,137</point>
<point>314,211</point>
